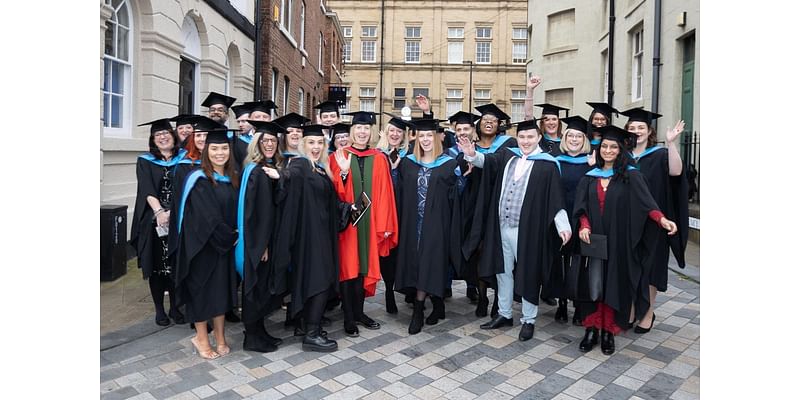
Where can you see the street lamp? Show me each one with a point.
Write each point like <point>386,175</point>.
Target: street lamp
<point>470,83</point>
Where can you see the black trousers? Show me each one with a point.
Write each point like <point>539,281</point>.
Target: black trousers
<point>352,292</point>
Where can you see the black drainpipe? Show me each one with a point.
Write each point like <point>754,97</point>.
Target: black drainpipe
<point>257,63</point>
<point>380,84</point>
<point>656,57</point>
<point>611,19</point>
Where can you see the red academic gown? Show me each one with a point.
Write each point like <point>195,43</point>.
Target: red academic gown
<point>383,218</point>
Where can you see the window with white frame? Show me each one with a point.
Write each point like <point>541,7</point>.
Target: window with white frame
<point>483,33</point>
<point>367,51</point>
<point>301,107</point>
<point>419,91</point>
<point>303,25</point>
<point>189,69</point>
<point>413,32</point>
<point>399,98</point>
<point>455,33</point>
<point>604,60</point>
<point>519,51</point>
<point>274,88</point>
<point>285,95</point>
<point>117,69</point>
<point>637,43</point>
<point>482,96</point>
<point>286,15</point>
<point>517,105</point>
<point>455,45</point>
<point>369,31</point>
<point>367,98</point>
<point>412,52</point>
<point>483,52</point>
<point>347,31</point>
<point>348,50</point>
<point>319,58</point>
<point>455,101</point>
<point>346,106</point>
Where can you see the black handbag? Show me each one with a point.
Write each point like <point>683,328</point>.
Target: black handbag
<point>598,248</point>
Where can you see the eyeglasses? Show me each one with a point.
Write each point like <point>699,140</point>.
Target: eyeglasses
<point>268,140</point>
<point>219,110</point>
<point>574,136</point>
<point>161,133</point>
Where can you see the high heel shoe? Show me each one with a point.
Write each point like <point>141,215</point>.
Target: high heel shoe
<point>208,354</point>
<point>223,349</point>
<point>639,329</point>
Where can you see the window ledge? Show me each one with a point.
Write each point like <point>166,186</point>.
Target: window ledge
<point>562,49</point>
<point>288,36</point>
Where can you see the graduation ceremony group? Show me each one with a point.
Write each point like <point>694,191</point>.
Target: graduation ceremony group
<point>239,218</point>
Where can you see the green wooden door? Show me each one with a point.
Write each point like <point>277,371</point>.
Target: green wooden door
<point>687,93</point>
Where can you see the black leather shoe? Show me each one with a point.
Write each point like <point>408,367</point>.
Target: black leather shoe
<point>589,340</point>
<point>472,294</point>
<point>526,332</point>
<point>607,342</point>
<point>416,318</point>
<point>351,331</point>
<point>498,322</point>
<point>231,317</point>
<point>549,301</point>
<point>391,304</point>
<point>177,317</point>
<point>368,322</point>
<point>639,329</point>
<point>315,341</point>
<point>438,311</point>
<point>162,320</point>
<point>561,312</point>
<point>483,304</point>
<point>252,342</point>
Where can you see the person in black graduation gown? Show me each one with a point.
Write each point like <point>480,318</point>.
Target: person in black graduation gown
<point>290,142</point>
<point>205,279</point>
<point>525,223</point>
<point>183,127</point>
<point>613,200</point>
<point>218,105</point>
<point>245,135</point>
<point>309,241</point>
<point>666,179</point>
<point>257,224</point>
<point>600,116</point>
<point>491,139</point>
<point>152,214</point>
<point>551,127</point>
<point>426,200</point>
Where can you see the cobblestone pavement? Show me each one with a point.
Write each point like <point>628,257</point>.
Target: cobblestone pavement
<point>454,359</point>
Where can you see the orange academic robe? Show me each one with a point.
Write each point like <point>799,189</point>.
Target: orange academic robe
<point>383,219</point>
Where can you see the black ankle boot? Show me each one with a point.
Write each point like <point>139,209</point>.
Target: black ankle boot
<point>315,341</point>
<point>607,342</point>
<point>589,340</point>
<point>438,311</point>
<point>391,305</point>
<point>561,312</point>
<point>472,294</point>
<point>256,341</point>
<point>417,317</point>
<point>483,304</point>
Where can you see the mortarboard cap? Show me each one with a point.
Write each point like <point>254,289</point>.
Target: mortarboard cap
<point>615,133</point>
<point>362,117</point>
<point>266,127</point>
<point>426,124</point>
<point>265,106</point>
<point>292,120</point>
<point>218,98</point>
<point>603,108</point>
<point>493,110</point>
<point>327,106</point>
<point>183,119</point>
<point>397,121</point>
<point>551,109</point>
<point>240,110</point>
<point>527,124</point>
<point>205,124</point>
<point>314,130</point>
<point>576,122</point>
<point>158,125</point>
<point>340,128</point>
<point>640,115</point>
<point>217,137</point>
<point>463,117</point>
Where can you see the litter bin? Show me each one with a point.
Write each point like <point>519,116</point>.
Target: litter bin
<point>113,242</point>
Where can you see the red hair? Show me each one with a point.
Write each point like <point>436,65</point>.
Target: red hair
<point>192,152</point>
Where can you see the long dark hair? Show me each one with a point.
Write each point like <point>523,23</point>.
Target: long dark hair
<point>621,163</point>
<point>208,167</point>
<point>176,144</point>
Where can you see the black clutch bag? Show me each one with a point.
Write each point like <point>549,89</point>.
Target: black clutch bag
<point>598,248</point>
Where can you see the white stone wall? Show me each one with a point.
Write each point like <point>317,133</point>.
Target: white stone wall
<point>157,47</point>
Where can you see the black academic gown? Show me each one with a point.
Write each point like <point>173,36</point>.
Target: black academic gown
<point>311,218</point>
<point>205,278</point>
<point>425,267</point>
<point>258,218</point>
<point>625,223</point>
<point>672,196</point>
<point>240,143</point>
<point>473,233</point>
<point>550,146</point>
<point>143,236</point>
<point>538,240</point>
<point>572,171</point>
<point>182,170</point>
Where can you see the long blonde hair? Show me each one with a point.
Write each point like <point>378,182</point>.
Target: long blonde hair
<point>254,154</point>
<point>373,137</point>
<point>437,146</point>
<point>383,141</point>
<point>323,157</point>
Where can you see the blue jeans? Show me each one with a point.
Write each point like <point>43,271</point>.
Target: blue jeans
<point>505,281</point>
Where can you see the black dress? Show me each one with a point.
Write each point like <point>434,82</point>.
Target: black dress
<point>205,276</point>
<point>427,197</point>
